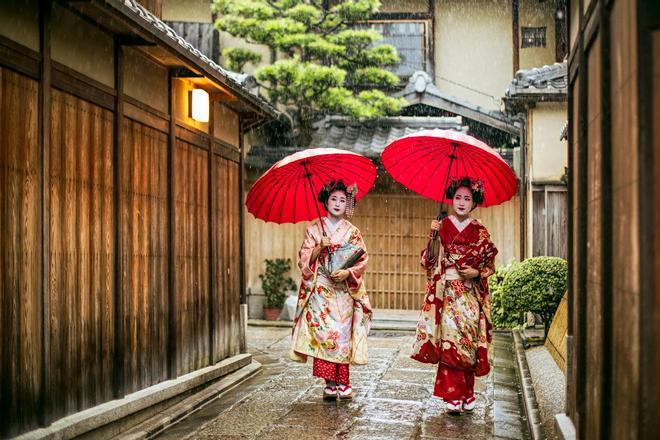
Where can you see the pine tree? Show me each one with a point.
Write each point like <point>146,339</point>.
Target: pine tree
<point>329,62</point>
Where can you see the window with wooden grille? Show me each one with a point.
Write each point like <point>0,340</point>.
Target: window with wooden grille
<point>533,37</point>
<point>410,38</point>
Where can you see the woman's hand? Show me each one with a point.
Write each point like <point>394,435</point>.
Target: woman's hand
<point>325,242</point>
<point>435,225</point>
<point>468,273</point>
<point>339,275</point>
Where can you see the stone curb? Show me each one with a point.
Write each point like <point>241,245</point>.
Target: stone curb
<point>105,414</point>
<point>175,414</point>
<point>529,396</point>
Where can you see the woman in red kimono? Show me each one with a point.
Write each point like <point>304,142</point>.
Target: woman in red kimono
<point>333,314</point>
<point>455,327</point>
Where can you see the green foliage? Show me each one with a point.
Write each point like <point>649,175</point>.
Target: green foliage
<point>275,281</point>
<point>237,58</point>
<point>330,65</point>
<point>535,285</point>
<point>502,317</point>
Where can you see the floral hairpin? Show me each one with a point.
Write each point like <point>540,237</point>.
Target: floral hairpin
<point>351,194</point>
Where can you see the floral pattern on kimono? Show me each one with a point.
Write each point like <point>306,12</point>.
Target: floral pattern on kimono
<point>332,319</point>
<point>455,327</point>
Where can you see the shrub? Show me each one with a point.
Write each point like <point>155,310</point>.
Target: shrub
<point>501,316</point>
<point>535,285</point>
<point>275,283</point>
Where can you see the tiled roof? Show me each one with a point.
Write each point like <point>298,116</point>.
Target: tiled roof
<point>148,20</point>
<point>368,138</point>
<point>552,79</point>
<point>421,90</point>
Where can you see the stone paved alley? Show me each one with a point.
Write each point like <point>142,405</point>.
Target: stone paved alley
<point>392,399</point>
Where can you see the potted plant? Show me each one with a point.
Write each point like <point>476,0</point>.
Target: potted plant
<point>275,283</point>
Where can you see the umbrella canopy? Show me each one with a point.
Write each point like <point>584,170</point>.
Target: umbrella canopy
<point>427,160</point>
<point>288,191</point>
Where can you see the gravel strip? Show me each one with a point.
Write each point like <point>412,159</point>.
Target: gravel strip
<point>549,386</point>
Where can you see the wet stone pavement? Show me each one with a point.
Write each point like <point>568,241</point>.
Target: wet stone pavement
<point>392,398</point>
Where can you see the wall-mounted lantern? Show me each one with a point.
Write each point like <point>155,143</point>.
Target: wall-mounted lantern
<point>198,105</point>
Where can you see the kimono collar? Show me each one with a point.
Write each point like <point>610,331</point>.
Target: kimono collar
<point>460,225</point>
<point>332,227</point>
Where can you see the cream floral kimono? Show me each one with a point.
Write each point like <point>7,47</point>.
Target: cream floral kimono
<point>332,319</point>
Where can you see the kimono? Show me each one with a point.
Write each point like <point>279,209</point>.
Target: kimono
<point>332,319</point>
<point>455,328</point>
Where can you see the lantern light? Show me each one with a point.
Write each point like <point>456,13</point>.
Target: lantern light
<point>199,105</point>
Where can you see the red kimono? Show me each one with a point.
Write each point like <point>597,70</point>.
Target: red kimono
<point>455,327</point>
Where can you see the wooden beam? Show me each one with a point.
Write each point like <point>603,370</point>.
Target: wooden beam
<point>401,16</point>
<point>172,349</point>
<point>20,58</point>
<point>458,109</point>
<point>581,229</point>
<point>515,32</point>
<point>648,18</point>
<point>606,223</point>
<point>45,388</point>
<point>118,368</point>
<point>77,84</point>
<point>211,237</point>
<point>241,230</point>
<point>431,37</point>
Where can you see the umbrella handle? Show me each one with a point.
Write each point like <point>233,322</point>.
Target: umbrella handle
<point>318,211</point>
<point>442,213</point>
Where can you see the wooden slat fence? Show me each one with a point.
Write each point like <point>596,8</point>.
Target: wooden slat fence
<point>395,229</point>
<point>98,351</point>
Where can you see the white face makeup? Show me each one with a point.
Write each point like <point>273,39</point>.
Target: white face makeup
<point>463,202</point>
<point>337,204</point>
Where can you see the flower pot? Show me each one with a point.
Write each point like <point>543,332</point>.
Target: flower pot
<point>271,314</point>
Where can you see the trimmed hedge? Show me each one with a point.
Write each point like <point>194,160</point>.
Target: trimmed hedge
<point>501,316</point>
<point>535,285</point>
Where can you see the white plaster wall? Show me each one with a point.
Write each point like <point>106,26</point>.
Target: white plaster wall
<point>187,10</point>
<point>538,14</point>
<point>549,155</point>
<point>19,21</point>
<point>473,49</point>
<point>81,46</point>
<point>145,80</point>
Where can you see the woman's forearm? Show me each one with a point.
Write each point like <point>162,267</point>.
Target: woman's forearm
<point>433,248</point>
<point>315,253</point>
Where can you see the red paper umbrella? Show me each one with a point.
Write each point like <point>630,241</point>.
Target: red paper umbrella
<point>288,191</point>
<point>426,161</point>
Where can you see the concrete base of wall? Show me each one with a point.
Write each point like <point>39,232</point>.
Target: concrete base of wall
<point>564,427</point>
<point>255,303</point>
<point>116,416</point>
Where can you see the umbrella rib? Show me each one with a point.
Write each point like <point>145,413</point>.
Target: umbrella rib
<point>275,197</point>
<point>428,163</point>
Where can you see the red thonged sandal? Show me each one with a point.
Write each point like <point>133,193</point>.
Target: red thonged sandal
<point>330,393</point>
<point>345,392</point>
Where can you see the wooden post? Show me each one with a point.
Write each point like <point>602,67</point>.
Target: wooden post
<point>45,392</point>
<point>515,22</point>
<point>212,221</point>
<point>118,370</point>
<point>171,264</point>
<point>241,235</point>
<point>606,219</point>
<point>580,289</point>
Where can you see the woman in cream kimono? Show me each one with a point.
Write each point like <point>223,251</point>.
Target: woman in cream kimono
<point>455,329</point>
<point>333,315</point>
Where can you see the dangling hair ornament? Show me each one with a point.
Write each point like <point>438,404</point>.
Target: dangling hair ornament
<point>351,194</point>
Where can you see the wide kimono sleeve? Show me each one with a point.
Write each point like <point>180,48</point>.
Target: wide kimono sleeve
<point>356,272</point>
<point>305,263</point>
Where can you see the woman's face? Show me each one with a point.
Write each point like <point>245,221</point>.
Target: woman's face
<point>463,202</point>
<point>336,205</point>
